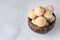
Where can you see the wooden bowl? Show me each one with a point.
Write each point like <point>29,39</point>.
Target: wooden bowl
<point>41,30</point>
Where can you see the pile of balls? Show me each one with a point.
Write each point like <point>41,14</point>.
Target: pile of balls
<point>42,16</point>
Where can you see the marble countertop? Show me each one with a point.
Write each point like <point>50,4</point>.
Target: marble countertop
<point>13,20</point>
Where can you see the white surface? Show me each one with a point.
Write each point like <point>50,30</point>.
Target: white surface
<point>13,20</point>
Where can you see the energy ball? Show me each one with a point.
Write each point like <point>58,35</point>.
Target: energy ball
<point>39,11</point>
<point>31,14</point>
<point>47,24</point>
<point>40,21</point>
<point>48,14</point>
<point>52,19</point>
<point>49,7</point>
<point>33,21</point>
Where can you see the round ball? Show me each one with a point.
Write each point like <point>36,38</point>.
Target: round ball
<point>40,21</point>
<point>48,15</point>
<point>39,11</point>
<point>47,24</point>
<point>33,21</point>
<point>31,14</point>
<point>50,7</point>
<point>52,19</point>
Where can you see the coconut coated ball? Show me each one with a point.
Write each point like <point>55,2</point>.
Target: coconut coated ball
<point>49,7</point>
<point>40,21</point>
<point>31,14</point>
<point>52,19</point>
<point>33,21</point>
<point>47,24</point>
<point>39,11</point>
<point>48,14</point>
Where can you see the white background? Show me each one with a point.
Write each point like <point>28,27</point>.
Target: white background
<point>13,20</point>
